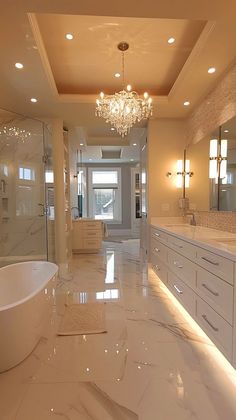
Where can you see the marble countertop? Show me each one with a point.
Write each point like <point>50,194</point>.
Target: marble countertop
<point>221,242</point>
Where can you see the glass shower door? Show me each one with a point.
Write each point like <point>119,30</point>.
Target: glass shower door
<point>23,234</point>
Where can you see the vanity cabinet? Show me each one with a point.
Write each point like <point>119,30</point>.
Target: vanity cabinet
<point>203,282</point>
<point>87,236</point>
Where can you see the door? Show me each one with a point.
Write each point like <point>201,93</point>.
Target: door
<point>144,203</point>
<point>22,191</point>
<point>135,202</point>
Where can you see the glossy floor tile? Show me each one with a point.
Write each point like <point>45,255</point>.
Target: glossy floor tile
<point>152,364</point>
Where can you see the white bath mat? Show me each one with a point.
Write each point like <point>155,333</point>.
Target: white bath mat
<point>85,318</point>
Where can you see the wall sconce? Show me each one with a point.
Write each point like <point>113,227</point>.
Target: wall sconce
<point>183,173</point>
<point>218,158</point>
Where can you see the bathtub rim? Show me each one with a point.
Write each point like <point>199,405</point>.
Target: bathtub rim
<point>36,291</point>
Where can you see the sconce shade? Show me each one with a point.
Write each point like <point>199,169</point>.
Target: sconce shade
<point>187,171</point>
<point>223,148</point>
<point>213,164</point>
<point>213,148</point>
<point>179,176</point>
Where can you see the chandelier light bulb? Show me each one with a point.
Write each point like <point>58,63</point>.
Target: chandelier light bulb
<point>101,95</point>
<point>145,95</point>
<point>129,88</point>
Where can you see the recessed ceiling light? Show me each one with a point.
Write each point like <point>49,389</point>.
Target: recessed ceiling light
<point>112,129</point>
<point>131,160</point>
<point>226,131</point>
<point>81,144</point>
<point>19,65</point>
<point>134,144</point>
<point>90,159</point>
<point>34,100</point>
<point>117,74</point>
<point>69,36</point>
<point>171,40</point>
<point>186,103</point>
<point>211,70</point>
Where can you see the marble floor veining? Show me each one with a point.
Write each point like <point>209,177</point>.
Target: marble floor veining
<point>153,363</point>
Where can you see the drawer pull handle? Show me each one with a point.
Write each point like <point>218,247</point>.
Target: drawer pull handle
<point>177,264</point>
<point>157,234</point>
<point>211,262</point>
<point>209,323</point>
<point>157,249</point>
<point>178,290</point>
<point>178,246</point>
<point>209,290</point>
<point>157,268</point>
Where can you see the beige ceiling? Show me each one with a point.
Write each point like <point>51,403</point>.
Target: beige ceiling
<point>88,63</point>
<point>52,66</point>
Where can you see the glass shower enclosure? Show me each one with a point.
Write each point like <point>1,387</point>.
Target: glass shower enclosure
<point>25,159</point>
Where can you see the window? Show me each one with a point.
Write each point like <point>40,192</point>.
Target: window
<point>105,194</point>
<point>27,174</point>
<point>49,177</point>
<point>105,177</point>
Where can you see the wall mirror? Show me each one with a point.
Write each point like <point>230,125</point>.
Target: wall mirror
<point>219,191</point>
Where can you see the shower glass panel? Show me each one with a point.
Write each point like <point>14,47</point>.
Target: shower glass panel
<point>23,220</point>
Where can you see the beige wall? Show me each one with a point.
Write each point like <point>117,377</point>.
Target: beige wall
<point>166,142</point>
<point>199,191</point>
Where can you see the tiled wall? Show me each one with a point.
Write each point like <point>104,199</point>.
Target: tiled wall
<point>218,107</point>
<point>222,220</point>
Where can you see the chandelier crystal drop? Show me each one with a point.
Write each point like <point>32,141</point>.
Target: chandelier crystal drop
<point>15,132</point>
<point>123,109</point>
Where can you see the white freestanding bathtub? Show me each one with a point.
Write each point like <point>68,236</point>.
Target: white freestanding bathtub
<point>25,301</point>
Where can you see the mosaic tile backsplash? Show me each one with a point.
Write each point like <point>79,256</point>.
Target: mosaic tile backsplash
<point>223,220</point>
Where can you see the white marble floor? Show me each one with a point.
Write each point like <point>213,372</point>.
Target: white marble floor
<point>152,364</point>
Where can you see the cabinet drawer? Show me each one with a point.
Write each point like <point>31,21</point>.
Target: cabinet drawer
<point>91,233</point>
<point>216,292</point>
<point>183,293</point>
<point>159,249</point>
<point>91,243</point>
<point>216,264</point>
<point>92,225</point>
<point>182,247</point>
<point>158,234</point>
<point>185,269</point>
<point>218,330</point>
<point>159,268</point>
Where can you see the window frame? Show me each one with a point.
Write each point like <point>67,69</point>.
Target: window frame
<point>118,203</point>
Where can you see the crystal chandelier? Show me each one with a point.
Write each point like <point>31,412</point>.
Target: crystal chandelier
<point>123,109</point>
